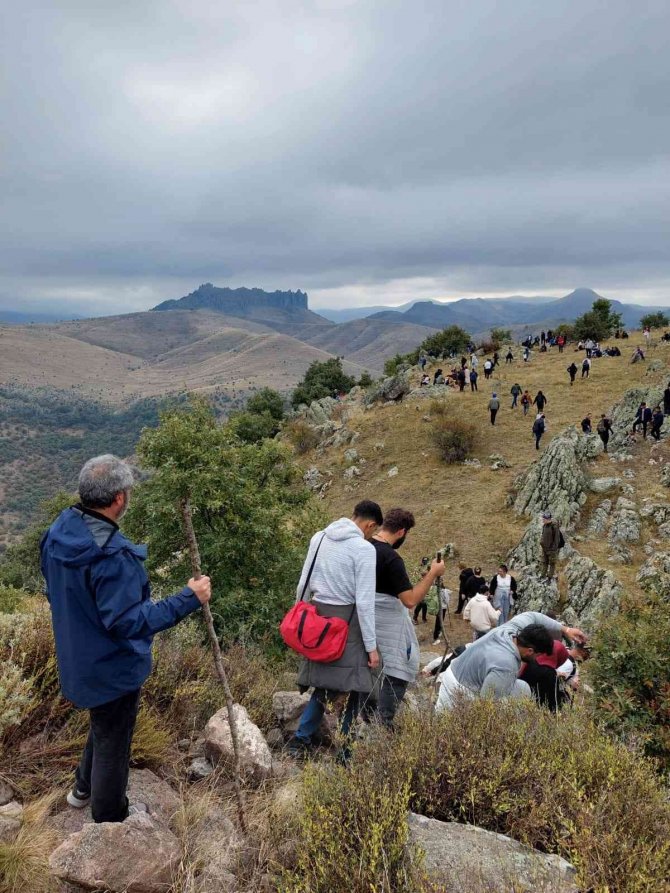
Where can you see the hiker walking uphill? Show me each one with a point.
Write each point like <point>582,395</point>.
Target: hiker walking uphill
<point>586,367</point>
<point>104,622</point>
<point>515,392</point>
<point>396,638</point>
<point>342,583</point>
<point>540,401</point>
<point>604,430</point>
<point>666,400</point>
<point>494,406</point>
<point>488,369</point>
<point>551,543</point>
<point>572,372</point>
<point>473,379</point>
<point>526,401</point>
<point>509,357</point>
<point>490,666</point>
<point>539,427</point>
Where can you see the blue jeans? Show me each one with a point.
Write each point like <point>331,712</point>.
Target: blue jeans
<point>505,608</point>
<point>313,713</point>
<point>514,399</point>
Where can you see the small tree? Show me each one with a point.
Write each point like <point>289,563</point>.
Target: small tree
<point>500,336</point>
<point>267,401</point>
<point>326,379</point>
<point>365,380</point>
<point>452,340</point>
<point>599,322</point>
<point>253,427</point>
<point>656,320</point>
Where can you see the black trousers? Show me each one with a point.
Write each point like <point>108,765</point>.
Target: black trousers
<point>104,766</point>
<point>494,413</point>
<point>638,423</point>
<point>421,608</point>
<point>384,708</point>
<point>538,437</point>
<point>543,683</point>
<point>604,436</point>
<point>437,629</point>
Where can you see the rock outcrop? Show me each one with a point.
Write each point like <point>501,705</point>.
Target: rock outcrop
<point>592,592</point>
<point>462,858</point>
<point>625,526</point>
<point>557,481</point>
<point>654,575</point>
<point>623,415</point>
<point>135,856</point>
<point>393,388</point>
<point>255,755</point>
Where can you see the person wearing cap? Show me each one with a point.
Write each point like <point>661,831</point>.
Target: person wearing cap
<point>494,406</point>
<point>550,543</point>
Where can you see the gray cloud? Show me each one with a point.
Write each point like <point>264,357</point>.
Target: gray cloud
<point>363,151</point>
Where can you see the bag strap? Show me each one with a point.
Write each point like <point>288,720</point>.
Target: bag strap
<point>311,568</point>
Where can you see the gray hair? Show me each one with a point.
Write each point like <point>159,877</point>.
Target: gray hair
<point>101,479</point>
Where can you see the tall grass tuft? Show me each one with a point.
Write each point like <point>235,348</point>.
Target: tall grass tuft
<point>24,864</point>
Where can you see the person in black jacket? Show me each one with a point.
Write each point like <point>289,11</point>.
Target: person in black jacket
<point>666,400</point>
<point>586,424</point>
<point>647,417</point>
<point>604,430</point>
<point>540,401</point>
<point>539,427</point>
<point>572,372</point>
<point>464,576</point>
<point>639,418</point>
<point>473,583</point>
<point>657,423</point>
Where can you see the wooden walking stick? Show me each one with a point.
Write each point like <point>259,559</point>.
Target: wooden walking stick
<point>194,552</point>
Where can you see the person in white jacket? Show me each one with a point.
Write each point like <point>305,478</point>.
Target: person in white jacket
<point>481,614</point>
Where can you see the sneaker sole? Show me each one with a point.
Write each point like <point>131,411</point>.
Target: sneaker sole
<point>76,802</point>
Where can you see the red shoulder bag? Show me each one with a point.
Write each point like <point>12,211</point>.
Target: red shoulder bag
<point>322,639</point>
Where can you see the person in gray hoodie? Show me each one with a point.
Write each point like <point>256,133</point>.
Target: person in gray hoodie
<point>491,665</point>
<point>342,584</point>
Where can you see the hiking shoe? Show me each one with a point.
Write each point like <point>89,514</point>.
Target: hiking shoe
<point>437,641</point>
<point>137,809</point>
<point>298,749</point>
<point>77,799</point>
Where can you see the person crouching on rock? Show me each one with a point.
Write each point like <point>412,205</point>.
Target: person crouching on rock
<point>104,622</point>
<point>396,637</point>
<point>342,584</point>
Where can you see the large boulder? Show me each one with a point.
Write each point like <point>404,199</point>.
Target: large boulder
<point>626,526</point>
<point>462,858</point>
<point>556,481</point>
<point>602,485</point>
<point>288,706</point>
<point>592,592</point>
<point>144,786</point>
<point>392,388</point>
<point>135,856</point>
<point>623,414</point>
<point>654,575</point>
<point>255,755</point>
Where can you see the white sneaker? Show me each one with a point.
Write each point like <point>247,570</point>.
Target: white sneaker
<point>77,799</point>
<point>137,809</point>
<point>437,641</point>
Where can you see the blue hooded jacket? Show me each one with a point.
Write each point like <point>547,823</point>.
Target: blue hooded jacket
<point>103,618</point>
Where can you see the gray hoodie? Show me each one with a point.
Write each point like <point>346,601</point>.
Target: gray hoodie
<point>345,573</point>
<point>491,665</point>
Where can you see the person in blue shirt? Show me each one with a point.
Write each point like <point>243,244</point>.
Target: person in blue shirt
<point>104,622</point>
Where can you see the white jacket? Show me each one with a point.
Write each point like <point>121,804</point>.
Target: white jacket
<point>481,613</point>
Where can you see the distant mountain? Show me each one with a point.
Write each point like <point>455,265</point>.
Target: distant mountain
<point>350,313</point>
<point>23,317</point>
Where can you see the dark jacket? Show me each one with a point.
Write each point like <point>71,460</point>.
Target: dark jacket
<point>647,414</point>
<point>540,401</point>
<point>102,614</point>
<point>572,369</point>
<point>472,585</point>
<point>551,537</point>
<point>493,585</point>
<point>586,426</point>
<point>463,578</point>
<point>538,426</point>
<point>666,401</point>
<point>657,420</point>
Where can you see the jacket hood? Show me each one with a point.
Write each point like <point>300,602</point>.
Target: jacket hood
<point>480,597</point>
<point>343,529</point>
<point>70,541</point>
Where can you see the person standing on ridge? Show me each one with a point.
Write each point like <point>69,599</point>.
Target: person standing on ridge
<point>572,372</point>
<point>551,543</point>
<point>494,406</point>
<point>503,590</point>
<point>639,418</point>
<point>342,583</point>
<point>604,430</point>
<point>586,366</point>
<point>104,622</point>
<point>657,423</point>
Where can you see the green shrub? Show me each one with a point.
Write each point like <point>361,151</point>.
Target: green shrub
<point>10,598</point>
<point>630,675</point>
<point>267,401</point>
<point>365,380</point>
<point>326,379</point>
<point>15,695</point>
<point>303,437</point>
<point>252,427</point>
<point>454,437</point>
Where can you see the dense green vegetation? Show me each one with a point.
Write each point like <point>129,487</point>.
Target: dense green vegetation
<point>326,379</point>
<point>448,342</point>
<point>655,320</point>
<point>599,322</point>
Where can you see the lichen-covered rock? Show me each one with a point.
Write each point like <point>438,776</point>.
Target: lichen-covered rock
<point>654,575</point>
<point>602,485</point>
<point>655,366</point>
<point>395,387</point>
<point>659,512</point>
<point>288,706</point>
<point>313,478</point>
<point>352,472</point>
<point>600,518</point>
<point>626,526</point>
<point>535,593</point>
<point>135,856</point>
<point>6,792</point>
<point>393,472</point>
<point>255,755</point>
<point>592,592</point>
<point>462,858</point>
<point>351,455</point>
<point>557,481</point>
<point>623,414</point>
<point>665,475</point>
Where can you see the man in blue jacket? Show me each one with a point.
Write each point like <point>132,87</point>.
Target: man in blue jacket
<point>104,622</point>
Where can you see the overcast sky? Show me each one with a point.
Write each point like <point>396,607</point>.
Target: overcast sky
<point>367,152</point>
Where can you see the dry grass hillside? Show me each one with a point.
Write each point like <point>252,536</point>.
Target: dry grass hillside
<point>468,505</point>
<point>370,341</point>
